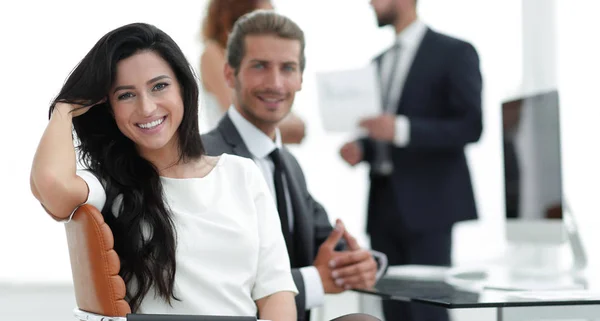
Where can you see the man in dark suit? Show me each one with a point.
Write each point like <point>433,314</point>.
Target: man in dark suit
<point>420,182</point>
<point>265,61</point>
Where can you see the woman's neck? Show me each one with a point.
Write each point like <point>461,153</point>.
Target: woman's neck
<point>193,168</point>
<point>169,163</point>
<point>165,158</point>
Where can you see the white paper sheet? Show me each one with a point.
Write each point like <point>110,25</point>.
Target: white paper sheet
<point>347,96</point>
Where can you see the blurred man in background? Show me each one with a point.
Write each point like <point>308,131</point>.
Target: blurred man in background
<point>420,182</point>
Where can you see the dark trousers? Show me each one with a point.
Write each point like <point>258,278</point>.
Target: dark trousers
<point>403,246</point>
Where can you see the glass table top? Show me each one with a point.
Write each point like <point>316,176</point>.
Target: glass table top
<point>484,288</point>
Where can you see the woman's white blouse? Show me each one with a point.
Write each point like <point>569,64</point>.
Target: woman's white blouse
<point>230,249</point>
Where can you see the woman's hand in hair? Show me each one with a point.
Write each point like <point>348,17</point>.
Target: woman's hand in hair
<point>54,180</point>
<point>77,109</point>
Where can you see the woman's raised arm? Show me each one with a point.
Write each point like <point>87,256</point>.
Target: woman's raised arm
<point>53,179</point>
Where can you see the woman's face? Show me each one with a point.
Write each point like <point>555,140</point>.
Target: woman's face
<point>146,101</point>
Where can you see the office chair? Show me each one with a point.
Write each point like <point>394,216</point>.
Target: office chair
<point>99,290</point>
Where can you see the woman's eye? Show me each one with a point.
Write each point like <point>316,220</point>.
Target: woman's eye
<point>125,96</point>
<point>161,86</point>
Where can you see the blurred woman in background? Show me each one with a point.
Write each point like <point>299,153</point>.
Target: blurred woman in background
<point>217,96</point>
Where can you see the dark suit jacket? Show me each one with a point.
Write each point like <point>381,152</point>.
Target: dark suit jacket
<point>442,100</point>
<point>311,224</point>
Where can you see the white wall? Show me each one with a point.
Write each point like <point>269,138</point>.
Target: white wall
<point>41,46</point>
<point>578,70</point>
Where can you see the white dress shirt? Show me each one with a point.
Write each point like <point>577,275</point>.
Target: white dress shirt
<point>260,146</point>
<point>409,40</point>
<point>227,254</point>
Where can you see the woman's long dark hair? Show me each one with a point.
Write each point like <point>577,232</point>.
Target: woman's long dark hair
<point>144,232</point>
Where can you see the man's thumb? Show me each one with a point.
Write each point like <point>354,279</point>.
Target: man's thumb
<point>335,235</point>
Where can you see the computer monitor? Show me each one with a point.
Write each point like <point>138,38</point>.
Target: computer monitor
<point>536,209</point>
<point>532,156</point>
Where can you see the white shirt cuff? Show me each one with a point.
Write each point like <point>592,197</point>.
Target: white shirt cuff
<point>402,132</point>
<point>313,287</point>
<point>96,194</point>
<point>383,263</point>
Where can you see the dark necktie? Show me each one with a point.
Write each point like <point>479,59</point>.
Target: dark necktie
<point>394,56</point>
<point>382,163</point>
<point>281,200</point>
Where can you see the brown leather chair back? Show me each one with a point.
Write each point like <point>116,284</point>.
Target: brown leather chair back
<point>95,265</point>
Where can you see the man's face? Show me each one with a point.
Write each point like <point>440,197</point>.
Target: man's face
<point>267,80</point>
<point>386,11</point>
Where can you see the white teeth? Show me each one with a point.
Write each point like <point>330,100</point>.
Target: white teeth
<point>152,124</point>
<point>271,100</point>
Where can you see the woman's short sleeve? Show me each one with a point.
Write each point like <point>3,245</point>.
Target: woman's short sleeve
<point>96,194</point>
<point>274,272</point>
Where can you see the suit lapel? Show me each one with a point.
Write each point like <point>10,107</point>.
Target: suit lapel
<point>418,64</point>
<point>303,219</point>
<point>231,135</point>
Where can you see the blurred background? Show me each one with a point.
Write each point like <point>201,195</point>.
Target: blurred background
<point>525,46</point>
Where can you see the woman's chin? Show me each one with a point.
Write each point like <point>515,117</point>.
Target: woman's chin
<point>153,146</point>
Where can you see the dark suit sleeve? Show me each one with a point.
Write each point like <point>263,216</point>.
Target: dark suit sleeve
<point>301,297</point>
<point>366,144</point>
<point>322,225</point>
<point>463,123</point>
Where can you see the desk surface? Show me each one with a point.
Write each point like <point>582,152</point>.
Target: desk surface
<point>439,291</point>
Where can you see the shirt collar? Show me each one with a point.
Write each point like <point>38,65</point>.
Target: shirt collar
<point>412,35</point>
<point>259,144</point>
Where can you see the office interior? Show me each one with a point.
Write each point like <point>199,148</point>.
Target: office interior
<point>526,47</point>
